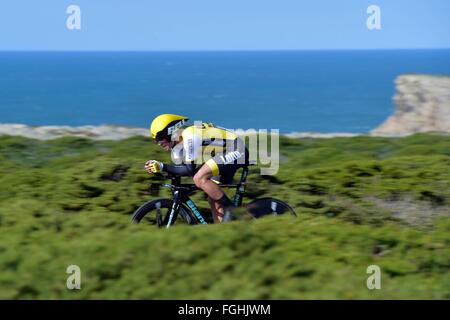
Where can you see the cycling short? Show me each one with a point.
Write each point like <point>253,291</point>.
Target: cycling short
<point>225,165</point>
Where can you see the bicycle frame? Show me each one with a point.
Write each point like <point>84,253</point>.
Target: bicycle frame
<point>181,193</point>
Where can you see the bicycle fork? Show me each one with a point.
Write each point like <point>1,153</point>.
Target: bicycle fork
<point>174,210</point>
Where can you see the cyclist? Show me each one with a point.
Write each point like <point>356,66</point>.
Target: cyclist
<point>202,151</point>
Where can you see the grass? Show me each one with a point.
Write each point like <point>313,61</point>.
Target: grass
<point>360,201</point>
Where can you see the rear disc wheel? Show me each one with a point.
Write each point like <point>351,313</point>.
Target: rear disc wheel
<point>269,206</point>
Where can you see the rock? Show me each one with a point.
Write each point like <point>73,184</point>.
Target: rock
<point>102,132</point>
<point>422,104</point>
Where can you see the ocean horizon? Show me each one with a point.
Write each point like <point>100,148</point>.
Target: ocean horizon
<point>294,91</point>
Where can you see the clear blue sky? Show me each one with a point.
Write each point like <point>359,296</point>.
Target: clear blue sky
<point>223,25</point>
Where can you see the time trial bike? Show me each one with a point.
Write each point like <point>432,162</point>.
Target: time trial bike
<point>165,211</point>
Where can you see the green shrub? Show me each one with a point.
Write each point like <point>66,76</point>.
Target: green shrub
<point>360,201</point>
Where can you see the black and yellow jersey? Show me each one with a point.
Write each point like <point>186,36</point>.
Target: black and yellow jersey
<point>205,141</point>
<point>222,150</point>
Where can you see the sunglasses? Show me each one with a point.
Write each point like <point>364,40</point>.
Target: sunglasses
<point>159,140</point>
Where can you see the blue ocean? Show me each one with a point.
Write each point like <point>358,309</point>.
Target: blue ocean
<point>294,91</point>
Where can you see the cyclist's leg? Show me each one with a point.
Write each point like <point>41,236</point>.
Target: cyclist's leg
<point>226,166</point>
<point>202,180</point>
<point>216,209</point>
<point>226,177</point>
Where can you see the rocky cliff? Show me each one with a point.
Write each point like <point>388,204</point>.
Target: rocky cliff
<point>422,104</point>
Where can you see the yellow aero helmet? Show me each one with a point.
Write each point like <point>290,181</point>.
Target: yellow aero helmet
<point>164,125</point>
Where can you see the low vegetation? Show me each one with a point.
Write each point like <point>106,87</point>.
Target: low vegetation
<point>360,201</point>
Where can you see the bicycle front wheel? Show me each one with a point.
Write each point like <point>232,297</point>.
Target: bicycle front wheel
<point>156,212</point>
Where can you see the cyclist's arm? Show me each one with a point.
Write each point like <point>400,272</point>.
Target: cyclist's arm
<point>192,147</point>
<point>180,170</point>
